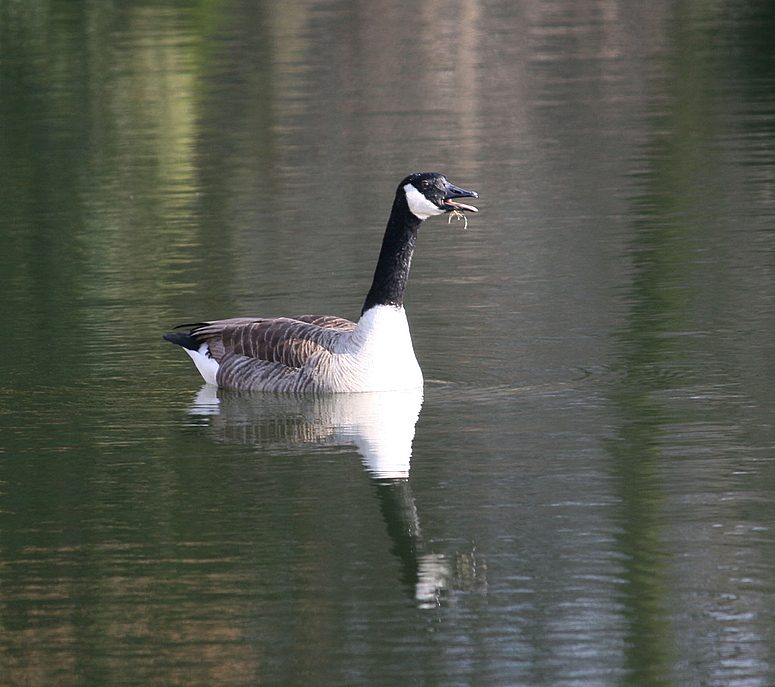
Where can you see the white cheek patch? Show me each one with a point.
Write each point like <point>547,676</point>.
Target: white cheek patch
<point>419,205</point>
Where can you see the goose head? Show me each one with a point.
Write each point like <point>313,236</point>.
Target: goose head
<point>429,193</point>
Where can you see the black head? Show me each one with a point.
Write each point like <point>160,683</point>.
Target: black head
<point>429,193</point>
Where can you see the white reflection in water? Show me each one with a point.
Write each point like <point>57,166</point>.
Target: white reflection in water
<point>381,426</point>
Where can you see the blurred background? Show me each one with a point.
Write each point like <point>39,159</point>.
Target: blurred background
<point>590,496</point>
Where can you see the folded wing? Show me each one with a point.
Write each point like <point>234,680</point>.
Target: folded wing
<point>284,340</point>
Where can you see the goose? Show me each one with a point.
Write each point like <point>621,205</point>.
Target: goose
<point>324,353</point>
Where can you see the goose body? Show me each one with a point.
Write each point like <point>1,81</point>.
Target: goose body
<point>321,353</point>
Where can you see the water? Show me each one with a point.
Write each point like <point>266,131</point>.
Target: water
<point>586,495</point>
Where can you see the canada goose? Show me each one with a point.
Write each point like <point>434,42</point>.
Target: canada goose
<point>321,353</point>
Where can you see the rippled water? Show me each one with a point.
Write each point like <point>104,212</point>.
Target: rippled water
<point>584,493</point>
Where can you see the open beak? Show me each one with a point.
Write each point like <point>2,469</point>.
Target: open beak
<point>456,192</point>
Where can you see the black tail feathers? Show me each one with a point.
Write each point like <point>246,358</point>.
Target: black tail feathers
<point>183,339</point>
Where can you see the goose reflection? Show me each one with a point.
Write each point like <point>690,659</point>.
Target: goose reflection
<point>380,425</point>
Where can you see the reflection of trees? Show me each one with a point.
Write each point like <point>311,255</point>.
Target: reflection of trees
<point>96,180</point>
<point>669,224</point>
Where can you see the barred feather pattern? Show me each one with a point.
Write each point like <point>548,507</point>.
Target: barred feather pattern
<point>312,353</point>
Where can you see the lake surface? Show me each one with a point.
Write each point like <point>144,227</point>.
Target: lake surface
<point>584,494</point>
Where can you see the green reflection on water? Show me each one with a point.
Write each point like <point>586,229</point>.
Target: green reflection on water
<point>669,216</point>
<point>98,181</point>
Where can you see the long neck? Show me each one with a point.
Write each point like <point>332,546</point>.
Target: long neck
<point>395,257</point>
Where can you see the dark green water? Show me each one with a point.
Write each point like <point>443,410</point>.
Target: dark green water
<point>591,493</point>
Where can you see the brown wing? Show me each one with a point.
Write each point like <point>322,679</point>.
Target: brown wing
<point>282,340</point>
<point>328,321</point>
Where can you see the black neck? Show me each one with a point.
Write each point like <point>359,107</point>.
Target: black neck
<point>395,257</point>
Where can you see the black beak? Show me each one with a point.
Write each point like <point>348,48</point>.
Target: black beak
<point>457,192</point>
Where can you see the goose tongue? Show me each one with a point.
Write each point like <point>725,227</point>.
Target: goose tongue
<point>454,205</point>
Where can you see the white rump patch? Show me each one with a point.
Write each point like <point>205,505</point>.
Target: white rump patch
<point>205,363</point>
<point>419,205</point>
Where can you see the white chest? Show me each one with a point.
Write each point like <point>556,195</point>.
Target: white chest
<point>378,356</point>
